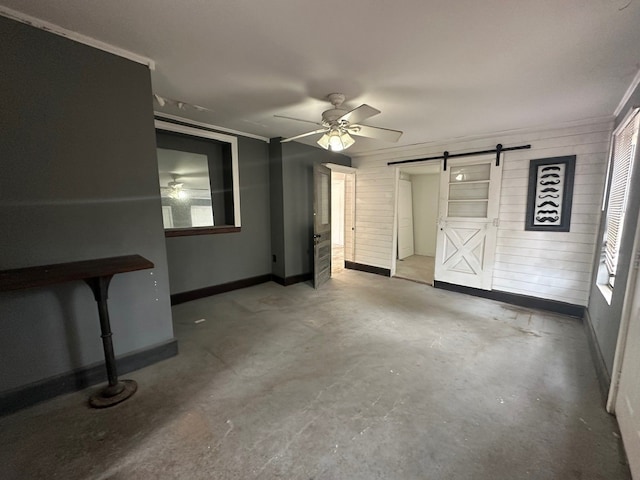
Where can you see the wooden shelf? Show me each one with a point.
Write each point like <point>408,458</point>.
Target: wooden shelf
<point>97,274</point>
<point>44,275</point>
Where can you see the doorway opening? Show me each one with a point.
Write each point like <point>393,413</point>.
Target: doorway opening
<point>342,216</point>
<point>417,224</point>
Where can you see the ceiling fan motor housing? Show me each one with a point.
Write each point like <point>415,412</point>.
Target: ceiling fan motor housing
<point>332,115</point>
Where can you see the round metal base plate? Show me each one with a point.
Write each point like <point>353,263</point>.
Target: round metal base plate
<point>105,397</point>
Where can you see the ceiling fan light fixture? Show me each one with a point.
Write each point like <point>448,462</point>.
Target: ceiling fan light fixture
<point>324,141</point>
<point>175,190</point>
<point>336,140</point>
<point>177,194</point>
<point>347,140</point>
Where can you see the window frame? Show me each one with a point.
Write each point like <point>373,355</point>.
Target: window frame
<point>235,173</point>
<point>606,276</point>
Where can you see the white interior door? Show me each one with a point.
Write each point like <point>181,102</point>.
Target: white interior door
<point>467,223</point>
<point>628,395</point>
<point>321,225</point>
<point>405,220</point>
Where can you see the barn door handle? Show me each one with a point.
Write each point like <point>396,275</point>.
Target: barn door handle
<point>316,235</point>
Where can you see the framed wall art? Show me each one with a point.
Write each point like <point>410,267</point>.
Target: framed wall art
<point>550,194</point>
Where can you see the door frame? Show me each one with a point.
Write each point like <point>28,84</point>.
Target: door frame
<point>394,241</point>
<point>434,168</point>
<point>625,321</point>
<point>334,167</point>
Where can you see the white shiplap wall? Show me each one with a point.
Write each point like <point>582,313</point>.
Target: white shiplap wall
<point>550,265</point>
<point>375,213</point>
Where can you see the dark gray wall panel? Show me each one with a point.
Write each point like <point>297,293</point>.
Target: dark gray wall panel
<point>205,260</point>
<point>605,318</point>
<point>277,207</point>
<point>79,181</point>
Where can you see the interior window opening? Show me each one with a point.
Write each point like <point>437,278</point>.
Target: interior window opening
<point>197,172</point>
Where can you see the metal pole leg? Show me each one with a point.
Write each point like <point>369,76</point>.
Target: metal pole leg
<point>116,391</point>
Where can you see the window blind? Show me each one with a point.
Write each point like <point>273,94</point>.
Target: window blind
<point>624,145</point>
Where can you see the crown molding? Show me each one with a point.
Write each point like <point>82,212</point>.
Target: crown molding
<point>408,151</point>
<point>75,36</point>
<point>188,121</point>
<point>627,95</point>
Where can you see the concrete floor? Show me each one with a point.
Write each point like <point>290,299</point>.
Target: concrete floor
<point>368,378</point>
<point>418,268</point>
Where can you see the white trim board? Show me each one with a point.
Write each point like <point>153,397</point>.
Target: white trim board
<point>627,95</point>
<point>233,141</point>
<point>195,123</point>
<point>75,36</point>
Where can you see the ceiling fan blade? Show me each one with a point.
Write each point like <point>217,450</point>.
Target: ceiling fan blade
<point>297,119</point>
<point>378,133</point>
<point>359,114</point>
<point>320,130</point>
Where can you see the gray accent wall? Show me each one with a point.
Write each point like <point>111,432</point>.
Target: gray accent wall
<point>79,181</point>
<point>201,261</point>
<point>293,174</point>
<point>605,318</point>
<point>277,208</point>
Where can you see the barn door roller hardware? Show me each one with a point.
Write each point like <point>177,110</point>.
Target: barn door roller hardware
<point>446,155</point>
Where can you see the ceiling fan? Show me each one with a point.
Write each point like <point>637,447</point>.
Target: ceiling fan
<point>338,124</point>
<point>174,189</point>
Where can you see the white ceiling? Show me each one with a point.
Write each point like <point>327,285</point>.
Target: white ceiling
<point>437,69</point>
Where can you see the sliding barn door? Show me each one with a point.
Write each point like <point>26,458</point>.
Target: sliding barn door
<point>467,224</point>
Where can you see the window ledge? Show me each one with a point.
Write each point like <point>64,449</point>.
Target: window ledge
<point>185,232</point>
<point>606,291</point>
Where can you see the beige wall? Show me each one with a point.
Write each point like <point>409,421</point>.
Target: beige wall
<point>425,190</point>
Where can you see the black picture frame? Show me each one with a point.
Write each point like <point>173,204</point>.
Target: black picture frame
<point>550,194</point>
